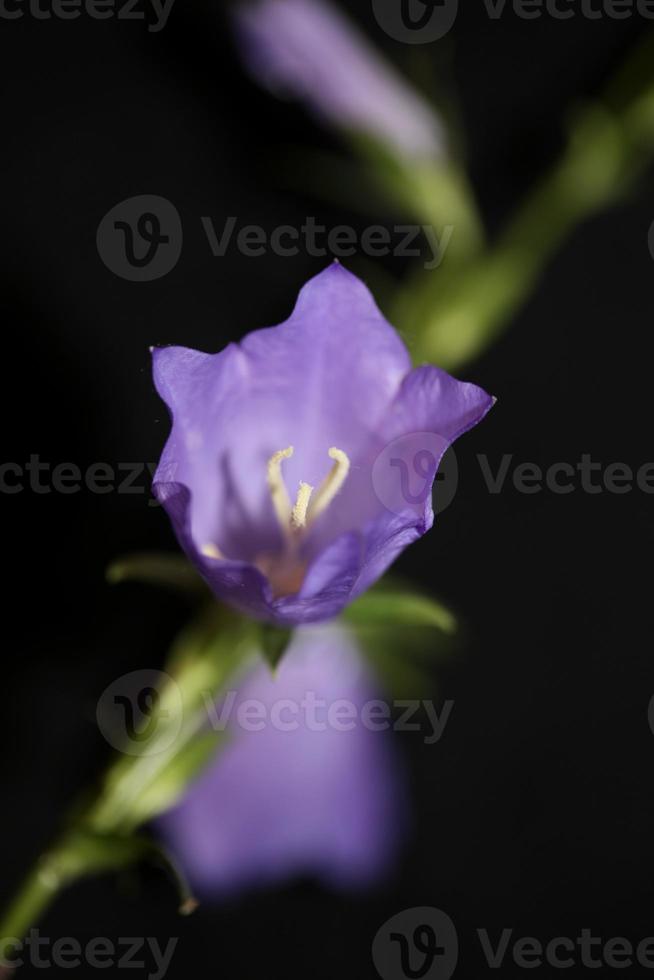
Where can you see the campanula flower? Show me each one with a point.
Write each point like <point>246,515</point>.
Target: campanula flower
<point>307,782</point>
<point>309,49</point>
<point>290,471</point>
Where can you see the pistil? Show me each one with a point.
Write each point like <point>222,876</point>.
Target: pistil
<point>299,512</point>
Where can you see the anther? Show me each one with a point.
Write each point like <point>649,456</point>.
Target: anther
<point>277,487</point>
<point>211,551</point>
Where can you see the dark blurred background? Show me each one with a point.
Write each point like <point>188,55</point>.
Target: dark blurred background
<point>535,810</point>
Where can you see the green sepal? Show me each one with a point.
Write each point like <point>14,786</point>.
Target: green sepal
<point>388,605</point>
<point>274,643</point>
<point>403,633</point>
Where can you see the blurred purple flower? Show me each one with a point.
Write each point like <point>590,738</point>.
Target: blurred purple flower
<point>309,49</point>
<point>332,386</point>
<point>300,796</point>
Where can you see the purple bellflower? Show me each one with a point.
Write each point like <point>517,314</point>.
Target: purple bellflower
<point>326,403</point>
<point>300,788</point>
<point>309,49</point>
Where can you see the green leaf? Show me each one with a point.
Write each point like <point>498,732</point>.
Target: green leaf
<point>170,571</point>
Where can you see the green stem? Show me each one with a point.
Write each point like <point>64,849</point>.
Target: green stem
<point>434,192</point>
<point>101,835</point>
<point>78,853</point>
<point>452,320</point>
<point>37,892</point>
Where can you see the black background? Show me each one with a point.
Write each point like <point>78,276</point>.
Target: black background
<point>535,810</point>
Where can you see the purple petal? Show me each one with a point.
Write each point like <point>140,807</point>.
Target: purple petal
<point>430,412</point>
<point>309,49</point>
<point>314,800</point>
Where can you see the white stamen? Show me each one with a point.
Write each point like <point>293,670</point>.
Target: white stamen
<point>331,484</point>
<point>209,550</point>
<point>277,487</point>
<point>299,512</point>
<point>296,518</point>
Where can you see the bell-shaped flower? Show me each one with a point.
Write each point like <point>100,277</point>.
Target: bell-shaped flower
<point>307,782</point>
<point>301,460</point>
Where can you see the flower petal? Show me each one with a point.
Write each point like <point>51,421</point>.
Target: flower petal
<point>293,45</point>
<point>294,795</point>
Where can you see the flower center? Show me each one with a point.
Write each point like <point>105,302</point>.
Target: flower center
<point>295,519</point>
<point>285,571</point>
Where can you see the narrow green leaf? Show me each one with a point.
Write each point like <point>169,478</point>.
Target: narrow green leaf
<point>169,571</point>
